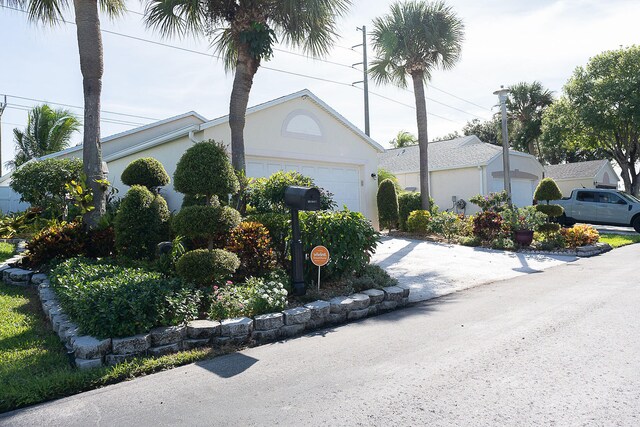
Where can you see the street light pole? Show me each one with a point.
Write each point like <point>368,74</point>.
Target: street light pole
<point>502,96</point>
<point>365,79</point>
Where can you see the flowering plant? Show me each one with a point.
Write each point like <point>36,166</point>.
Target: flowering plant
<point>255,296</point>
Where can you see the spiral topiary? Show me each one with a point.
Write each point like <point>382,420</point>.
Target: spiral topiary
<point>146,171</point>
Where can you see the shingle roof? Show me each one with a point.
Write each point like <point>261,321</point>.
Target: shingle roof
<point>574,170</point>
<point>455,153</point>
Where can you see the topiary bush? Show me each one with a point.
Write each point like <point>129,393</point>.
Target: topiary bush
<point>141,223</point>
<point>204,169</point>
<point>418,221</point>
<point>407,203</point>
<point>147,172</point>
<point>107,300</point>
<point>250,241</point>
<point>548,190</point>
<point>213,223</point>
<point>349,237</point>
<point>206,267</point>
<point>387,204</point>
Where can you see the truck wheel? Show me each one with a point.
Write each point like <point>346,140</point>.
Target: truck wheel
<point>636,224</point>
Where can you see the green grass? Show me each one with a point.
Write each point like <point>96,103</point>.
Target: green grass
<point>617,240</point>
<point>34,366</point>
<point>6,250</point>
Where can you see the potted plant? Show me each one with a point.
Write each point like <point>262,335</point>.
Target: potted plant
<point>523,222</point>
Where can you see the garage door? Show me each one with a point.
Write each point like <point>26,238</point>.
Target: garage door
<point>521,191</point>
<point>341,180</point>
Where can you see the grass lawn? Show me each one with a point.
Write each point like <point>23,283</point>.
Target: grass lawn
<point>6,251</point>
<point>617,240</point>
<point>34,366</point>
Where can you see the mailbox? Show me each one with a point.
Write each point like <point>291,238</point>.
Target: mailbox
<point>302,198</point>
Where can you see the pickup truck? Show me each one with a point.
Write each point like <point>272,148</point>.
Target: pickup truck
<point>600,206</point>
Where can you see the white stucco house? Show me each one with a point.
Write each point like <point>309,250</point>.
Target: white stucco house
<point>591,174</point>
<point>295,132</point>
<point>462,168</point>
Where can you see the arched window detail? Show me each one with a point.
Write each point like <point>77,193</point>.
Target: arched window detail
<point>302,124</point>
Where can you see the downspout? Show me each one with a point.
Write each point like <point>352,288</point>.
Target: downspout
<point>192,133</point>
<point>481,180</point>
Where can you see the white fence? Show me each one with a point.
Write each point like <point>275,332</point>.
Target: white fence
<point>10,201</point>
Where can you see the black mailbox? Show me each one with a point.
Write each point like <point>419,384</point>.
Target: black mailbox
<point>302,198</point>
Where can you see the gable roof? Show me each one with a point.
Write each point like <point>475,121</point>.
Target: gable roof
<point>455,153</point>
<point>305,94</point>
<point>575,170</point>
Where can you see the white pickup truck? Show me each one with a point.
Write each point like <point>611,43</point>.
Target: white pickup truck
<point>600,206</point>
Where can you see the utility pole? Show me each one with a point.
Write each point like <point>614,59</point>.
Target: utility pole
<point>502,96</point>
<point>3,105</point>
<point>365,79</point>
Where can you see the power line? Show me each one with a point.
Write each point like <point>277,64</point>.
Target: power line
<point>106,120</point>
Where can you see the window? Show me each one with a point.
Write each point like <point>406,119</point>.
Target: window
<point>586,196</point>
<point>302,124</point>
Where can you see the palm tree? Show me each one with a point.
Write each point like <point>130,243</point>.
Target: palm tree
<point>47,131</point>
<point>526,104</point>
<point>49,12</point>
<point>243,33</point>
<point>403,139</point>
<point>415,39</point>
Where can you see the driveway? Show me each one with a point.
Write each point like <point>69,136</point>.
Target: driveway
<point>434,269</point>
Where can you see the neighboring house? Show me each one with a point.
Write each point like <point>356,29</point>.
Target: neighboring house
<point>462,168</point>
<point>592,174</point>
<point>296,132</point>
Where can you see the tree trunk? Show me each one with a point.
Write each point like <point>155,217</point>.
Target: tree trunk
<point>423,138</point>
<point>91,66</point>
<point>246,68</point>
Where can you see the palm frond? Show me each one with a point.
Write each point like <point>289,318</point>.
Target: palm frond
<point>48,12</point>
<point>224,46</point>
<point>176,17</point>
<point>113,8</point>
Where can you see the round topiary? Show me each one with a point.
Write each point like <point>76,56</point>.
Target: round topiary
<point>549,227</point>
<point>206,222</point>
<point>196,200</point>
<point>387,204</point>
<point>141,223</point>
<point>207,267</point>
<point>547,190</point>
<point>205,169</point>
<point>551,211</point>
<point>147,171</point>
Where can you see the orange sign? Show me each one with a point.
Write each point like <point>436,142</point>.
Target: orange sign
<point>319,256</point>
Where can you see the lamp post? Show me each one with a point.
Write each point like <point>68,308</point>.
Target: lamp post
<point>502,96</point>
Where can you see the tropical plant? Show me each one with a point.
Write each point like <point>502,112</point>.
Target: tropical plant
<point>48,130</point>
<point>243,33</point>
<point>91,66</point>
<point>494,202</point>
<point>250,241</point>
<point>418,221</point>
<point>415,39</point>
<point>385,174</point>
<point>403,139</point>
<point>580,235</point>
<point>387,205</point>
<point>525,105</point>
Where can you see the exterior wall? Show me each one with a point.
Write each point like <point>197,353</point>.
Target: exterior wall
<point>568,185</point>
<point>607,176</point>
<point>461,183</point>
<point>408,180</point>
<point>526,172</point>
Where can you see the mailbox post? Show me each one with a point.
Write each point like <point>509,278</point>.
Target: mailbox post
<point>299,199</point>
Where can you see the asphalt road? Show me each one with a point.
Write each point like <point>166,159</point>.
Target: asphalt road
<point>558,347</point>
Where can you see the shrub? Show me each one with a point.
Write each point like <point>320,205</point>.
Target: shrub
<point>147,172</point>
<point>279,228</point>
<point>42,183</point>
<point>205,169</point>
<point>407,203</point>
<point>108,300</point>
<point>250,241</point>
<point>57,241</point>
<point>547,189</point>
<point>19,223</point>
<point>252,298</point>
<point>141,223</point>
<point>347,235</point>
<point>470,241</point>
<point>371,277</point>
<point>550,210</point>
<point>580,235</point>
<point>384,174</point>
<point>195,200</point>
<point>387,204</point>
<point>418,221</point>
<point>267,194</point>
<point>503,243</point>
<point>207,267</point>
<point>527,218</point>
<point>494,202</point>
<point>447,224</point>
<point>487,225</point>
<point>208,222</point>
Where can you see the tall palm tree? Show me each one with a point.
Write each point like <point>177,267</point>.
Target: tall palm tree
<point>50,12</point>
<point>243,33</point>
<point>47,131</point>
<point>525,105</point>
<point>403,139</point>
<point>415,39</point>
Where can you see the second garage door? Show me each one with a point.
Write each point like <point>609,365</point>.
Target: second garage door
<point>341,180</point>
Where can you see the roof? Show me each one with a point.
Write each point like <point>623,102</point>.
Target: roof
<point>575,170</point>
<point>305,94</point>
<point>457,153</point>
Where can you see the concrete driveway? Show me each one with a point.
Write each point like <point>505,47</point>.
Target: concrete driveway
<point>434,269</point>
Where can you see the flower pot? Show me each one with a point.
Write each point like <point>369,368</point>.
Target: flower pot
<point>524,237</point>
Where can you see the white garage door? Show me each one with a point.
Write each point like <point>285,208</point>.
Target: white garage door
<point>521,191</point>
<point>341,180</point>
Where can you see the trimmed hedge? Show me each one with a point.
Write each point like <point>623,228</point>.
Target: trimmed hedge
<point>107,300</point>
<point>387,204</point>
<point>147,172</point>
<point>207,267</point>
<point>407,203</point>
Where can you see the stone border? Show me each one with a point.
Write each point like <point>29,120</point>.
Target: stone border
<point>90,352</point>
<point>580,252</point>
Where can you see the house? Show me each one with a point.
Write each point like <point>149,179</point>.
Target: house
<point>591,174</point>
<point>462,168</point>
<point>295,132</point>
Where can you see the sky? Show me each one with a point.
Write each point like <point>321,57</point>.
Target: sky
<point>505,42</point>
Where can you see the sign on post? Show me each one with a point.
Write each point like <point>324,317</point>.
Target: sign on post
<point>320,257</point>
